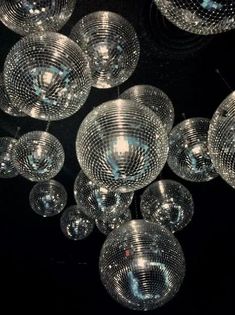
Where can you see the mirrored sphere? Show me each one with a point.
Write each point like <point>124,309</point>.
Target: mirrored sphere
<point>7,168</point>
<point>75,224</point>
<point>28,16</point>
<point>141,265</point>
<point>48,198</point>
<point>38,156</point>
<point>112,45</point>
<point>98,202</point>
<point>47,76</point>
<point>122,146</point>
<point>168,203</point>
<point>188,150</point>
<point>155,99</point>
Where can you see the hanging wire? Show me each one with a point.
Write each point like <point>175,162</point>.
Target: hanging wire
<point>16,136</point>
<point>118,91</point>
<point>183,115</point>
<point>135,205</point>
<point>48,125</point>
<point>224,80</point>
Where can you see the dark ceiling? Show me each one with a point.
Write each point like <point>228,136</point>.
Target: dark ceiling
<point>43,271</point>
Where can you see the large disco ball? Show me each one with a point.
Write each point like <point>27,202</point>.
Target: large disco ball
<point>75,224</point>
<point>97,202</point>
<point>7,168</point>
<point>28,16</point>
<point>221,140</point>
<point>188,150</point>
<point>155,99</point>
<point>112,45</point>
<point>141,265</point>
<point>168,203</point>
<point>47,76</point>
<point>202,17</point>
<point>48,198</point>
<point>122,146</point>
<point>38,156</point>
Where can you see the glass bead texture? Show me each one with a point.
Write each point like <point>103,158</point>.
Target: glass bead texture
<point>7,168</point>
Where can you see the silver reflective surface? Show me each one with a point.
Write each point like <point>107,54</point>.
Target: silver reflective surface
<point>7,168</point>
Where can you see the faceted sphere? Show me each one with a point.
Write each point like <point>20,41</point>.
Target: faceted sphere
<point>141,265</point>
<point>155,99</point>
<point>112,45</point>
<point>48,198</point>
<point>168,203</point>
<point>75,224</point>
<point>122,145</point>
<point>47,76</point>
<point>202,17</point>
<point>7,168</point>
<point>188,150</point>
<point>38,156</point>
<point>28,16</point>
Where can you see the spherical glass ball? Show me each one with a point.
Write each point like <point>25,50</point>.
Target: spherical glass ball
<point>202,17</point>
<point>75,224</point>
<point>48,198</point>
<point>155,99</point>
<point>28,16</point>
<point>7,168</point>
<point>188,150</point>
<point>112,45</point>
<point>38,156</point>
<point>168,203</point>
<point>122,146</point>
<point>141,265</point>
<point>47,76</point>
<point>97,202</point>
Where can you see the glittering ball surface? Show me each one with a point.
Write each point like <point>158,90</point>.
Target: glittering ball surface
<point>112,45</point>
<point>28,16</point>
<point>168,203</point>
<point>202,17</point>
<point>7,168</point>
<point>47,76</point>
<point>141,265</point>
<point>38,156</point>
<point>155,99</point>
<point>75,224</point>
<point>188,150</point>
<point>98,202</point>
<point>122,146</point>
<point>48,198</point>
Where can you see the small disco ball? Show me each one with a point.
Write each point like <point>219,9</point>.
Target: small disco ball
<point>48,198</point>
<point>75,224</point>
<point>141,265</point>
<point>221,140</point>
<point>47,76</point>
<point>155,99</point>
<point>38,156</point>
<point>7,168</point>
<point>99,203</point>
<point>188,151</point>
<point>28,16</point>
<point>112,45</point>
<point>122,146</point>
<point>202,17</point>
<point>169,203</point>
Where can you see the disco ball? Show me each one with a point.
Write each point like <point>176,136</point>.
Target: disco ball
<point>47,76</point>
<point>28,16</point>
<point>168,203</point>
<point>155,99</point>
<point>38,156</point>
<point>112,45</point>
<point>221,140</point>
<point>141,265</point>
<point>122,146</point>
<point>48,198</point>
<point>188,151</point>
<point>75,224</point>
<point>202,17</point>
<point>99,203</point>
<point>7,169</point>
